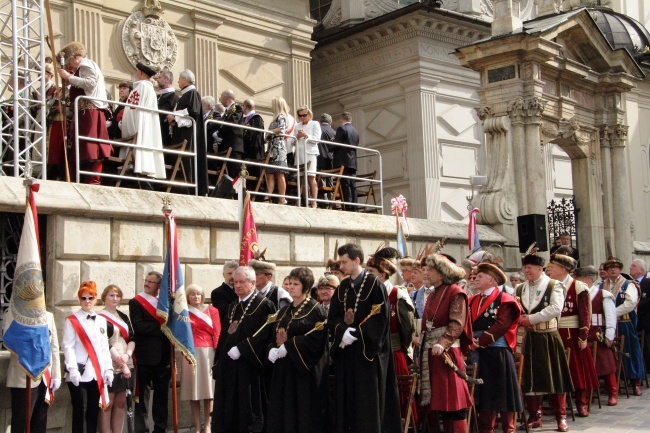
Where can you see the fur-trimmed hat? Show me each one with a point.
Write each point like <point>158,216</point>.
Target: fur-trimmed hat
<point>72,49</point>
<point>450,272</point>
<point>531,257</point>
<point>613,262</point>
<point>49,68</point>
<point>586,271</point>
<point>493,271</point>
<point>262,267</point>
<point>382,260</point>
<point>562,258</point>
<point>146,69</point>
<point>333,265</point>
<point>328,280</point>
<point>409,264</point>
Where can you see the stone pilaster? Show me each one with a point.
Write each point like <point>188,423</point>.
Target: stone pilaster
<point>606,168</point>
<point>206,52</point>
<point>620,195</point>
<point>423,150</point>
<point>517,117</point>
<point>88,29</point>
<point>300,71</point>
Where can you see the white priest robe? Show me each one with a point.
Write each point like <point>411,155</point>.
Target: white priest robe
<point>146,124</point>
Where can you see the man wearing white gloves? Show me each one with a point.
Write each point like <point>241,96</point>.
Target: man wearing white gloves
<point>366,390</point>
<point>240,400</point>
<point>42,390</point>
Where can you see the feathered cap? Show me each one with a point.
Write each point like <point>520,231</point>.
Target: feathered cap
<point>260,265</point>
<point>562,258</point>
<point>493,271</point>
<point>613,262</point>
<point>328,280</point>
<point>531,257</point>
<point>72,49</point>
<point>382,260</point>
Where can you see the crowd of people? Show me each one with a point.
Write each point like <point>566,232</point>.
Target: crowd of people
<point>323,353</point>
<point>285,140</point>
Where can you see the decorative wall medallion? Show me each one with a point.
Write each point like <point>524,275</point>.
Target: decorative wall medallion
<point>148,39</point>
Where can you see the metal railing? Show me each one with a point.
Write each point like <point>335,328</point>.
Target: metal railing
<point>305,173</point>
<point>255,163</point>
<point>79,172</point>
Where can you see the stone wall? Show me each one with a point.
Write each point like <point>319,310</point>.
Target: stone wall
<point>116,235</point>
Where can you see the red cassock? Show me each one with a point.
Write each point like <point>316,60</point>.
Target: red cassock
<point>605,361</point>
<point>581,364</point>
<point>447,307</point>
<point>204,334</point>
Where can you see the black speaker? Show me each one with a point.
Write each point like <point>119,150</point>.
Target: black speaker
<point>532,228</point>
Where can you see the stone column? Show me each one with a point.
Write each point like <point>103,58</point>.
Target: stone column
<point>423,151</point>
<point>516,111</point>
<point>206,53</point>
<point>606,168</point>
<point>621,196</point>
<point>535,172</point>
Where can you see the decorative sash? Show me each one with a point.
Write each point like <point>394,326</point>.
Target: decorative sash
<point>83,337</point>
<point>203,322</point>
<point>476,300</point>
<point>424,385</point>
<point>47,381</point>
<point>117,322</point>
<point>149,307</point>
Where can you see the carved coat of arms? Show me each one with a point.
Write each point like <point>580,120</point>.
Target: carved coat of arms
<point>149,40</point>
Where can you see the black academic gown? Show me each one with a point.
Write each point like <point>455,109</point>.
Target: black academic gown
<point>240,400</point>
<point>166,101</point>
<point>299,384</point>
<point>367,399</point>
<point>221,298</point>
<point>191,100</point>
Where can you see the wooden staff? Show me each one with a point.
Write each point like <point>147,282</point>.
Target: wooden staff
<point>174,394</point>
<point>28,403</point>
<point>61,97</point>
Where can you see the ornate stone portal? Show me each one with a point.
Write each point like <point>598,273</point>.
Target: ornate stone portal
<point>537,89</point>
<point>148,39</point>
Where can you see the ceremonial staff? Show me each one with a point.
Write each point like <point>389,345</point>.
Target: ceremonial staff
<point>50,40</point>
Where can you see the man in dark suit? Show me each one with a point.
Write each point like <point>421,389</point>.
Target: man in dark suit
<point>263,283</point>
<point>153,354</point>
<point>225,294</point>
<point>638,271</point>
<point>232,136</point>
<point>167,99</point>
<point>253,140</point>
<point>346,157</point>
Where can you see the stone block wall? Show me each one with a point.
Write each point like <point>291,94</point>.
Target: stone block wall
<point>116,236</point>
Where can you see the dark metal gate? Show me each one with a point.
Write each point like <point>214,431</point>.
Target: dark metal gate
<point>562,218</point>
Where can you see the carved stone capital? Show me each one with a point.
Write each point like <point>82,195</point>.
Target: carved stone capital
<point>621,131</point>
<point>516,110</point>
<point>534,108</point>
<point>570,129</point>
<point>483,113</point>
<point>604,136</point>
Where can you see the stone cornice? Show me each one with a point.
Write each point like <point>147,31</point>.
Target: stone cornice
<point>408,27</point>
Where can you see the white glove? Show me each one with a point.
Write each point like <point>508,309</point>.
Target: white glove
<point>74,376</point>
<point>109,123</point>
<point>282,351</point>
<point>119,125</point>
<point>108,378</point>
<point>348,338</point>
<point>273,355</point>
<point>55,384</point>
<point>234,353</point>
<point>215,135</point>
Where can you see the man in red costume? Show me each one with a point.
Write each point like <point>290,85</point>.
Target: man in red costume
<point>87,80</point>
<point>495,315</point>
<point>446,331</point>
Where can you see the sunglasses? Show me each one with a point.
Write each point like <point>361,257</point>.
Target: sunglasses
<point>87,298</point>
<point>303,115</point>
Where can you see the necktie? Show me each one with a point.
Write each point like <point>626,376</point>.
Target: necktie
<point>90,317</point>
<point>480,302</point>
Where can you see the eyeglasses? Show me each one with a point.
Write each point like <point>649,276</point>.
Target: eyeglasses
<point>87,298</point>
<point>151,282</point>
<point>303,115</point>
<point>326,288</point>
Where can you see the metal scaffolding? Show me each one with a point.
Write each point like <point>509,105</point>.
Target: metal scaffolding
<point>22,84</point>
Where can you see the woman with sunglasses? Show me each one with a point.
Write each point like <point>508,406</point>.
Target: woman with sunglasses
<point>87,360</point>
<point>307,152</point>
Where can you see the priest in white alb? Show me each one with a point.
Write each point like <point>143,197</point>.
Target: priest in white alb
<point>145,124</point>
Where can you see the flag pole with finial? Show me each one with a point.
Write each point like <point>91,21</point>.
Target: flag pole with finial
<point>28,182</point>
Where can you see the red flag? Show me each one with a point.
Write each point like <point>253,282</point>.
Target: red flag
<point>248,234</point>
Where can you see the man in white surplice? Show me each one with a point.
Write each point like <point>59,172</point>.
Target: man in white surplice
<point>145,124</point>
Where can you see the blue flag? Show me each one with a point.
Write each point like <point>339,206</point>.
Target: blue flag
<point>172,303</point>
<point>401,241</point>
<point>27,335</point>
